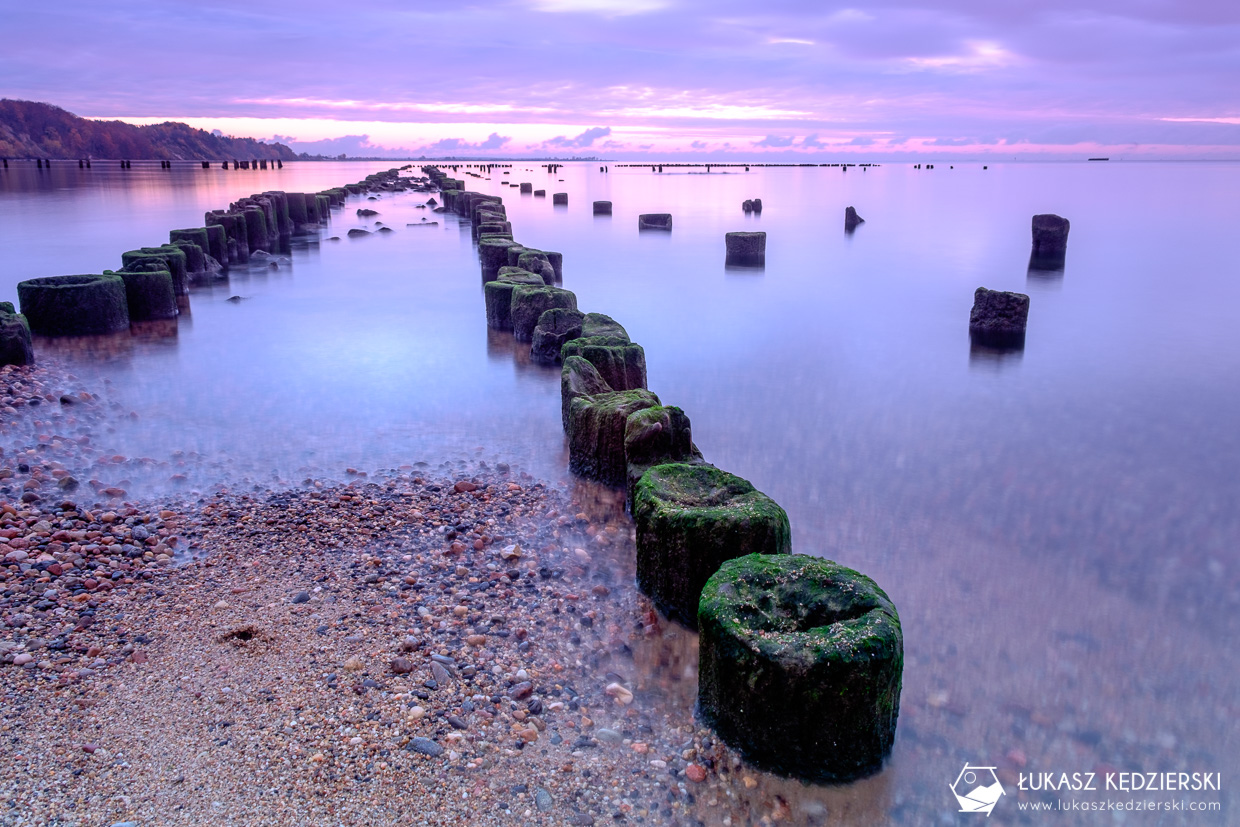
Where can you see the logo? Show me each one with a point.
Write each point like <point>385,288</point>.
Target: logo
<point>977,789</point>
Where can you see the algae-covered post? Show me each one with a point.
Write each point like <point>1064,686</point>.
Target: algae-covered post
<point>745,249</point>
<point>998,318</point>
<point>16,346</point>
<point>498,295</point>
<point>620,362</point>
<point>654,221</point>
<point>656,436</point>
<point>1050,242</point>
<point>596,417</point>
<point>602,208</point>
<point>690,518</point>
<point>559,199</point>
<point>83,305</point>
<point>801,663</point>
<point>529,302</point>
<point>554,328</point>
<point>851,219</point>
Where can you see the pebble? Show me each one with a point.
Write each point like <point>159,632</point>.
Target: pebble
<point>426,746</point>
<point>696,773</point>
<point>301,597</point>
<point>543,800</point>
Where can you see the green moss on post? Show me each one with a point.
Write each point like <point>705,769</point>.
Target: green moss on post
<point>578,378</point>
<point>498,295</point>
<point>656,436</point>
<point>255,228</point>
<point>149,294</point>
<point>692,517</point>
<point>600,324</point>
<point>536,261</point>
<point>529,302</point>
<point>500,228</point>
<point>195,257</point>
<point>74,305</point>
<point>217,243</point>
<point>596,425</point>
<point>16,347</point>
<point>296,206</point>
<point>235,234</point>
<point>325,207</point>
<point>168,257</point>
<point>196,235</point>
<point>554,328</point>
<point>621,362</point>
<point>801,664</point>
<point>493,253</point>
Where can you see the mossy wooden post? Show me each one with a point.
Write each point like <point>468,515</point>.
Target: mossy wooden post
<point>998,318</point>
<point>529,302</point>
<point>655,221</point>
<point>745,249</point>
<point>296,206</point>
<point>217,243</point>
<point>255,228</point>
<point>602,208</point>
<point>493,254</point>
<point>170,258</point>
<point>537,262</point>
<point>312,208</point>
<point>554,328</point>
<point>801,664</point>
<point>16,346</point>
<point>621,362</point>
<point>1050,242</point>
<point>692,517</point>
<point>596,418</point>
<point>195,235</point>
<point>498,296</point>
<point>600,324</point>
<point>195,257</point>
<point>234,224</point>
<point>500,228</point>
<point>83,305</point>
<point>526,188</point>
<point>656,436</point>
<point>559,199</point>
<point>149,292</point>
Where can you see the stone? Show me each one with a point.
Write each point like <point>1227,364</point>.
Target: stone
<point>301,597</point>
<point>554,328</point>
<point>690,518</point>
<point>602,208</point>
<point>440,673</point>
<point>366,213</point>
<point>745,249</point>
<point>620,362</point>
<point>529,302</point>
<point>655,221</point>
<point>74,305</point>
<point>696,773</point>
<point>998,318</point>
<point>521,691</point>
<point>425,746</point>
<point>656,436</point>
<point>498,296</point>
<point>851,219</point>
<point>543,800</point>
<point>357,233</point>
<point>401,666</point>
<point>16,345</point>
<point>801,666</point>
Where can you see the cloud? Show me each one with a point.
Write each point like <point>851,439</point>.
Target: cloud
<point>698,144</point>
<point>493,141</point>
<point>585,139</point>
<point>812,142</point>
<point>775,141</point>
<point>607,8</point>
<point>861,140</point>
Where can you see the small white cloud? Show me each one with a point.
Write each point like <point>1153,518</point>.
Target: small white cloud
<point>1202,120</point>
<point>796,40</point>
<point>980,55</point>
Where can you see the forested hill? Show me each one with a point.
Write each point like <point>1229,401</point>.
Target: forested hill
<point>40,130</point>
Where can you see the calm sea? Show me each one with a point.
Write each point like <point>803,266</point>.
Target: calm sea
<point>1058,526</point>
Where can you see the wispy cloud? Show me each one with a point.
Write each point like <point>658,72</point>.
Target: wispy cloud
<point>585,139</point>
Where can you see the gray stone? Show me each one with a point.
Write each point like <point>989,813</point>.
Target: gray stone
<point>425,746</point>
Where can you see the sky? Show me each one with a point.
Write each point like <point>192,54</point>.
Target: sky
<point>774,80</point>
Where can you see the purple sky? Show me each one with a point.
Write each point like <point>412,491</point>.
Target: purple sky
<point>671,78</point>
